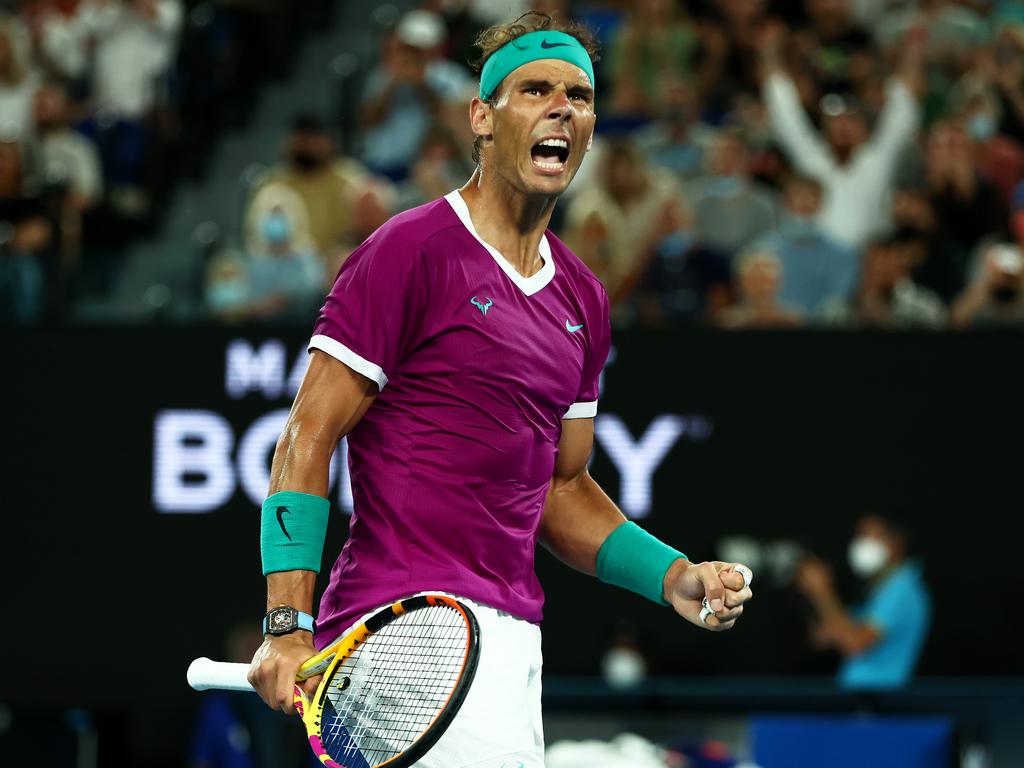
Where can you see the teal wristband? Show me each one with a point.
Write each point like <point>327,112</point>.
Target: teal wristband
<point>292,531</point>
<point>633,559</point>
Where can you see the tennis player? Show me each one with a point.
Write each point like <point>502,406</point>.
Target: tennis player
<point>460,350</point>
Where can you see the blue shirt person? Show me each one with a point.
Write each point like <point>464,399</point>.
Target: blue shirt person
<point>881,640</point>
<point>815,266</point>
<point>899,608</point>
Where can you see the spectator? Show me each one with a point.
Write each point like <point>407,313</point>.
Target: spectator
<point>25,237</point>
<point>728,61</point>
<point>615,225</point>
<point>18,83</point>
<point>316,187</point>
<point>375,203</point>
<point>887,297</point>
<point>730,208</point>
<point>855,168</point>
<point>404,94</point>
<point>677,140</point>
<point>688,282</point>
<point>815,267</point>
<point>283,283</point>
<point>439,168</point>
<point>654,49</point>
<point>996,295</point>
<point>67,157</point>
<point>1006,68</point>
<point>132,46</point>
<point>759,277</point>
<point>881,640</point>
<point>966,205</point>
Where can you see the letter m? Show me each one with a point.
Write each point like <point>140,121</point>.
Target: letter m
<point>255,370</point>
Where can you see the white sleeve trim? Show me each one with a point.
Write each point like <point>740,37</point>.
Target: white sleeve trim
<point>339,351</point>
<point>582,410</point>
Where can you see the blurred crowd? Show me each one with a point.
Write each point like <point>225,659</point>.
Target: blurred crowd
<point>844,163</point>
<point>104,106</point>
<point>758,163</point>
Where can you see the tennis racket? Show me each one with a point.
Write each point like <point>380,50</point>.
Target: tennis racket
<point>390,687</point>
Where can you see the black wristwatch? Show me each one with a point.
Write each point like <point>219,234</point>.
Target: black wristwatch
<point>285,620</point>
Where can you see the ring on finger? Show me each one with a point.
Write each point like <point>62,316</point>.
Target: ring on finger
<point>746,573</point>
<point>705,611</point>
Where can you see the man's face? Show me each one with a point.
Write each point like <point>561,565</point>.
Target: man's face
<point>541,125</point>
<point>50,107</point>
<point>884,266</point>
<point>728,156</point>
<point>845,131</point>
<point>759,279</point>
<point>803,198</point>
<point>871,548</point>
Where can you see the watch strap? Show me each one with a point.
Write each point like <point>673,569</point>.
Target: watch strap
<point>303,621</point>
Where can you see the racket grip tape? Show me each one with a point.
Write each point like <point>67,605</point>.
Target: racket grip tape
<point>204,673</point>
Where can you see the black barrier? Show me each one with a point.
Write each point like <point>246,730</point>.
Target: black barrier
<point>137,459</point>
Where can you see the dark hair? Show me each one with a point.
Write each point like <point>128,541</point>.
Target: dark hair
<point>494,37</point>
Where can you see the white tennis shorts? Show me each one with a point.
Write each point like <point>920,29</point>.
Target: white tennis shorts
<point>499,724</point>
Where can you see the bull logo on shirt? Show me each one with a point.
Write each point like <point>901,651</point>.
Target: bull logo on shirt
<point>482,307</point>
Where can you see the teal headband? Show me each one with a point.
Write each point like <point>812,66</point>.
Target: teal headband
<point>532,47</point>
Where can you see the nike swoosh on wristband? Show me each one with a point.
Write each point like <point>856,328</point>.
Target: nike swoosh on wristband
<point>280,520</point>
<point>546,44</point>
<point>572,328</point>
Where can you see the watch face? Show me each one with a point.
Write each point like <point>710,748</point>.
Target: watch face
<point>281,620</point>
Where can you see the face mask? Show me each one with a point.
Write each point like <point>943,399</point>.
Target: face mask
<point>981,127</point>
<point>867,556</point>
<point>276,228</point>
<point>725,186</point>
<point>227,294</point>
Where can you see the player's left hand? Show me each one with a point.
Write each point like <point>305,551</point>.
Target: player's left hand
<point>723,584</point>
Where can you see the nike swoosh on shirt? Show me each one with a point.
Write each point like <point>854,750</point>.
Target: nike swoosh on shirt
<point>572,328</point>
<point>546,44</point>
<point>280,520</point>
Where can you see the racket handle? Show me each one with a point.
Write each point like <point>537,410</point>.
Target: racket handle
<point>203,673</point>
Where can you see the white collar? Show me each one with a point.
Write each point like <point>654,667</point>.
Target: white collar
<point>528,285</point>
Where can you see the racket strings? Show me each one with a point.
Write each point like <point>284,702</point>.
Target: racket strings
<point>383,697</point>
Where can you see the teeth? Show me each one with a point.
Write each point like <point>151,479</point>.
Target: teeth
<point>555,143</point>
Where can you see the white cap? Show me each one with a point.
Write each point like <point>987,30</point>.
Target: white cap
<point>421,29</point>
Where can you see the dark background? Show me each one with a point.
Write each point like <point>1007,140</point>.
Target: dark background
<point>807,432</point>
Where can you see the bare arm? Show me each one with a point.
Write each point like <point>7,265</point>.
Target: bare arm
<point>330,402</point>
<point>790,123</point>
<point>838,629</point>
<point>578,515</point>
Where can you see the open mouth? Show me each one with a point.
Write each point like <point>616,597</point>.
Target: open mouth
<point>550,155</point>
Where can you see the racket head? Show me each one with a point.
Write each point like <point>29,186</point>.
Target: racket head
<point>393,685</point>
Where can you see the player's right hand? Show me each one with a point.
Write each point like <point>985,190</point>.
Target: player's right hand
<point>275,666</point>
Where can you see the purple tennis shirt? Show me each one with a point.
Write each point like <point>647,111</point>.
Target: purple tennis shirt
<point>477,366</point>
